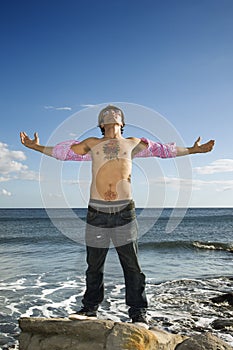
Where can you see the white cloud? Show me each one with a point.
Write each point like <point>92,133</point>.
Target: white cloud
<point>218,166</point>
<point>4,192</point>
<point>176,183</point>
<point>77,182</point>
<point>11,166</point>
<point>4,178</point>
<point>225,189</point>
<point>87,106</point>
<point>72,134</point>
<point>65,108</point>
<point>9,160</point>
<point>55,195</point>
<point>4,151</point>
<point>27,175</point>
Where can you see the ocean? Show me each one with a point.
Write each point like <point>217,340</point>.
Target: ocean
<point>43,271</point>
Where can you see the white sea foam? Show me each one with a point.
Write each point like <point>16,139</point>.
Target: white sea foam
<point>182,306</point>
<point>13,286</point>
<point>50,280</point>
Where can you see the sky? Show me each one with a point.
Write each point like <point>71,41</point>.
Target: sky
<point>168,63</point>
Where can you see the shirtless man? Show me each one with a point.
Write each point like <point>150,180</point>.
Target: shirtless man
<point>111,211</point>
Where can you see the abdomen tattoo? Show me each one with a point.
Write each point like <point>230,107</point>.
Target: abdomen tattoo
<point>110,195</point>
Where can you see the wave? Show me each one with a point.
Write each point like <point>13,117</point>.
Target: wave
<point>193,214</point>
<point>203,218</point>
<point>58,238</point>
<point>214,246</point>
<point>28,220</point>
<point>42,239</point>
<point>166,245</point>
<point>186,245</point>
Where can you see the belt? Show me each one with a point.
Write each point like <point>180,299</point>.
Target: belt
<point>111,209</point>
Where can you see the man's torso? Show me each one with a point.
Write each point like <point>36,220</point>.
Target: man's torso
<point>111,168</point>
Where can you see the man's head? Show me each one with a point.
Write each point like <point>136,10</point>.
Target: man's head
<point>111,115</point>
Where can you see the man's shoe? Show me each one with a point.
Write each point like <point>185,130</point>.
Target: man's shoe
<point>84,314</point>
<point>140,320</point>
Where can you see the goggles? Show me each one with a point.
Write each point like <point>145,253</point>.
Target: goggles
<point>108,111</point>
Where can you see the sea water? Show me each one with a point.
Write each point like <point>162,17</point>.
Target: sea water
<point>43,271</point>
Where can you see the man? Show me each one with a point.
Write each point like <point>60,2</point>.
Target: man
<point>111,211</point>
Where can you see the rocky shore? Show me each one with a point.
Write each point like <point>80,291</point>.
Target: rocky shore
<point>63,334</point>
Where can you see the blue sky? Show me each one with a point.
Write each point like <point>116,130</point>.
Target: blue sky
<point>174,57</point>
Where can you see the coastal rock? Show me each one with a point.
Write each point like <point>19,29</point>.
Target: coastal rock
<point>167,341</point>
<point>222,323</point>
<point>63,334</point>
<point>227,297</point>
<point>128,336</point>
<point>203,342</point>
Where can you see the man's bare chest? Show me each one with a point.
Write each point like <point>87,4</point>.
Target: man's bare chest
<point>112,149</point>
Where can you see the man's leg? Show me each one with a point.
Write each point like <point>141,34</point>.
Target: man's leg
<point>97,245</point>
<point>134,279</point>
<point>94,293</point>
<point>94,284</point>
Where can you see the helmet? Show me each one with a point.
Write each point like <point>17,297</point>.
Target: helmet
<point>100,116</point>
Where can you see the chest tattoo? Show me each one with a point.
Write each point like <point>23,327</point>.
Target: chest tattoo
<point>111,149</point>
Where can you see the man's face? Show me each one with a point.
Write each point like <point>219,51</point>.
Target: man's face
<point>112,116</point>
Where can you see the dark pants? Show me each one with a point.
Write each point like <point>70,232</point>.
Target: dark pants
<point>120,227</point>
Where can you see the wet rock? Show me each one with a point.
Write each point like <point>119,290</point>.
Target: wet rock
<point>222,323</point>
<point>203,342</point>
<point>63,334</point>
<point>167,341</point>
<point>128,336</point>
<point>227,297</point>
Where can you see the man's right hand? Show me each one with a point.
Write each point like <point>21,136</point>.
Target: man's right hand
<point>35,144</point>
<point>27,142</point>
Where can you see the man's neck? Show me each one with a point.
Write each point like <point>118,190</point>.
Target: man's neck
<point>112,132</point>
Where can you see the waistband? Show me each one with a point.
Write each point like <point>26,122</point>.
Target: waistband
<point>96,205</point>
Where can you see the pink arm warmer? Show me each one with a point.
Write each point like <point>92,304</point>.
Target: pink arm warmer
<point>63,151</point>
<point>156,149</point>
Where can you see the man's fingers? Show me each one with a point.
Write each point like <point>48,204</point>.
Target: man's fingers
<point>23,136</point>
<point>212,142</point>
<point>198,140</point>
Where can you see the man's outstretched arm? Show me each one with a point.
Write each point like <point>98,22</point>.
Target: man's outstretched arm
<point>61,151</point>
<point>35,144</point>
<point>147,148</point>
<point>196,148</point>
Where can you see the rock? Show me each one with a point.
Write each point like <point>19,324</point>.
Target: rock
<point>227,297</point>
<point>222,323</point>
<point>167,341</point>
<point>129,336</point>
<point>203,342</point>
<point>63,334</point>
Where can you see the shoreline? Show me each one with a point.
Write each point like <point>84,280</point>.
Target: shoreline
<point>180,306</point>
